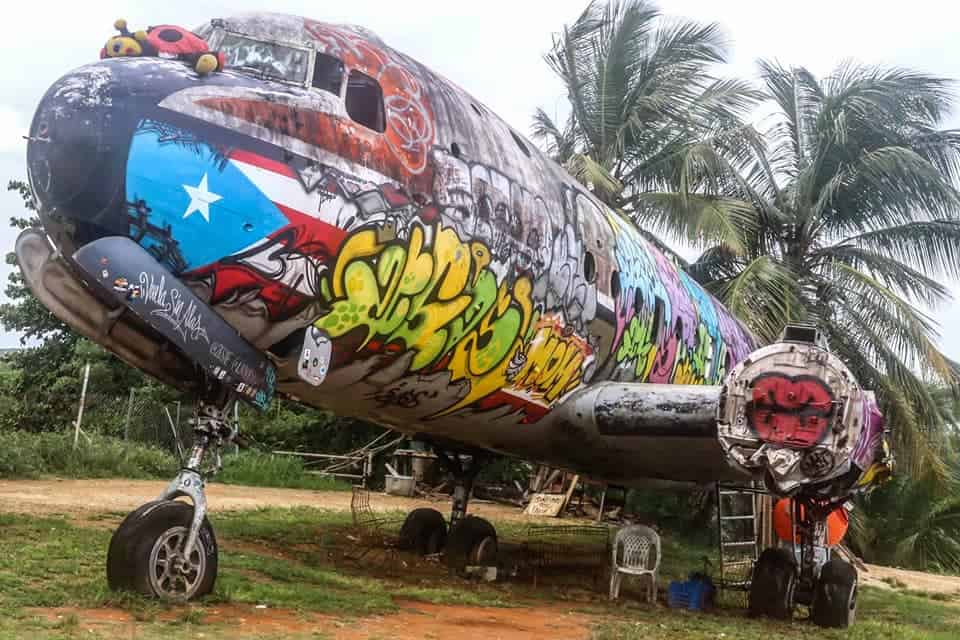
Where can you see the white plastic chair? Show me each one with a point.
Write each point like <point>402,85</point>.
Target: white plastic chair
<point>632,556</point>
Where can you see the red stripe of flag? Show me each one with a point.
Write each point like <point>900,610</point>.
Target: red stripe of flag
<point>256,160</point>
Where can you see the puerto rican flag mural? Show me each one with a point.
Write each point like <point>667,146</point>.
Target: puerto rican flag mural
<point>241,219</point>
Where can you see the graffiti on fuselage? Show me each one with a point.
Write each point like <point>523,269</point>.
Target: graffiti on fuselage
<point>434,296</point>
<point>484,287</point>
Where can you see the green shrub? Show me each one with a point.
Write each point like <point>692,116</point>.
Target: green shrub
<point>30,455</point>
<point>268,470</point>
<point>20,455</point>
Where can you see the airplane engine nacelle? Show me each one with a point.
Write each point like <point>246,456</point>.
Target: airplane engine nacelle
<point>794,412</point>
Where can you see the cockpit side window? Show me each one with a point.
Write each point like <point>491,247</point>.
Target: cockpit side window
<point>365,101</point>
<point>327,73</point>
<point>265,58</point>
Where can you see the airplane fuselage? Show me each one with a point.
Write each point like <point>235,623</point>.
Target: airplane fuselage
<point>469,287</point>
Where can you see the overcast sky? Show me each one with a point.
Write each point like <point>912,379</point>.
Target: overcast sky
<point>493,49</point>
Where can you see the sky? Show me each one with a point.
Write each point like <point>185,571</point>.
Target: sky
<point>494,49</point>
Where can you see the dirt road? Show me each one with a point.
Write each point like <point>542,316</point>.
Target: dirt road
<point>415,621</point>
<point>930,582</point>
<point>96,496</point>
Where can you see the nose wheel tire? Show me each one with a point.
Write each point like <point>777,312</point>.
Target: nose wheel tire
<point>774,584</point>
<point>145,554</point>
<point>471,542</point>
<point>835,596</point>
<point>424,532</point>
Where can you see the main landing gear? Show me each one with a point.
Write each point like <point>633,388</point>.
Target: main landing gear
<point>469,541</point>
<point>166,548</point>
<point>827,585</point>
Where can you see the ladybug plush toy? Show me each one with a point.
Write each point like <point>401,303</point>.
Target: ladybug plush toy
<point>165,41</point>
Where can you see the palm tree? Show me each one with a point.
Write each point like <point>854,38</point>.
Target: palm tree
<point>851,222</point>
<point>910,522</point>
<point>641,93</point>
<point>842,213</point>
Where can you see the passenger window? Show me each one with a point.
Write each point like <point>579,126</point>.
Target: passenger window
<point>365,101</point>
<point>328,73</point>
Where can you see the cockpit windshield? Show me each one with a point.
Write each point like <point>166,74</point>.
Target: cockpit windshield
<point>272,60</point>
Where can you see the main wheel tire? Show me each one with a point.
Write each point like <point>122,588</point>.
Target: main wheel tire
<point>424,532</point>
<point>141,549</point>
<point>471,542</point>
<point>835,595</point>
<point>773,585</point>
<point>119,565</point>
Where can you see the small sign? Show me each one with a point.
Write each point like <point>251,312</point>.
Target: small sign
<point>545,504</point>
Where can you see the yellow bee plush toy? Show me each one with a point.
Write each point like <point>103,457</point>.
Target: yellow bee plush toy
<point>125,45</point>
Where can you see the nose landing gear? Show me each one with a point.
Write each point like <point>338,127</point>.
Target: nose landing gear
<point>166,548</point>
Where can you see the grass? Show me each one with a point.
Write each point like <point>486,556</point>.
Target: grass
<point>287,559</point>
<point>268,470</point>
<point>33,455</point>
<point>49,562</point>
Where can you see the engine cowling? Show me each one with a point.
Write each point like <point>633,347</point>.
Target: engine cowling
<point>794,412</point>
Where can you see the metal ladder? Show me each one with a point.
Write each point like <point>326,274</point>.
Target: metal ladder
<point>738,538</point>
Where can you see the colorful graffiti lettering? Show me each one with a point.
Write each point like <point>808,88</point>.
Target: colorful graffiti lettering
<point>668,328</point>
<point>637,345</point>
<point>441,302</point>
<point>553,362</point>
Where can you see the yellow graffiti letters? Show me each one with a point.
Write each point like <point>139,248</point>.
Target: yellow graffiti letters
<point>554,363</point>
<point>437,299</point>
<point>484,354</point>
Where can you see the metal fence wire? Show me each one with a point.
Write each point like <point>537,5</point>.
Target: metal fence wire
<point>136,418</point>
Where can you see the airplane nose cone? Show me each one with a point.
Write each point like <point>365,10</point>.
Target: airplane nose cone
<point>76,151</point>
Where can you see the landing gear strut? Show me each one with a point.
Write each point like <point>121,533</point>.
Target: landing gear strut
<point>470,541</point>
<point>166,548</point>
<point>827,585</point>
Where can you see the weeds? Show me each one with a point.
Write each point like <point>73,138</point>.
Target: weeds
<point>268,470</point>
<point>32,455</point>
<point>35,455</point>
<point>896,583</point>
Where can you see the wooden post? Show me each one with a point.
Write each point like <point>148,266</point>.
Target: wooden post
<point>566,499</point>
<point>83,399</point>
<point>176,436</point>
<point>367,469</point>
<point>126,425</point>
<point>236,425</point>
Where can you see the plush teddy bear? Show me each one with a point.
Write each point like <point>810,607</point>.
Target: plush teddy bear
<point>165,41</point>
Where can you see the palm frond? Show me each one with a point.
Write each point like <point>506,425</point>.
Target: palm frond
<point>560,145</point>
<point>901,278</point>
<point>933,246</point>
<point>763,296</point>
<point>700,220</point>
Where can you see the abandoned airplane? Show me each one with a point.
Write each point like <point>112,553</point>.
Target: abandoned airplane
<point>272,205</point>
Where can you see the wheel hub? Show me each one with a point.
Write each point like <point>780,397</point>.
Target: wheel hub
<point>173,576</point>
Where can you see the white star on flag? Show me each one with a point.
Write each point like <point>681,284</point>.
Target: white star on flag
<point>200,199</point>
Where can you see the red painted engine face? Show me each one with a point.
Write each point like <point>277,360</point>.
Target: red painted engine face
<point>794,411</point>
